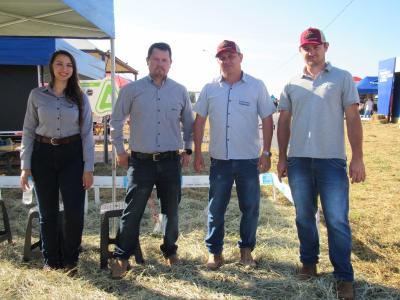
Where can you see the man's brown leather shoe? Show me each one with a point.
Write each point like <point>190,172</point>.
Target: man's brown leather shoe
<point>215,261</point>
<point>173,260</point>
<point>345,290</point>
<point>119,268</point>
<point>71,270</point>
<point>307,272</point>
<point>246,259</point>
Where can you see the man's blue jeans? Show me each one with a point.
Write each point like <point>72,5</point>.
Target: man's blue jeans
<point>308,178</point>
<point>142,176</point>
<point>222,175</point>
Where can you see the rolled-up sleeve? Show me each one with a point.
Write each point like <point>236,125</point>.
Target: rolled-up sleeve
<point>120,113</point>
<point>284,100</point>
<point>187,121</point>
<point>87,135</point>
<point>264,103</point>
<point>201,106</point>
<point>31,122</point>
<point>349,92</point>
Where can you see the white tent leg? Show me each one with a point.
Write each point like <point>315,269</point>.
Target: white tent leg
<point>113,99</point>
<point>97,195</point>
<point>86,202</point>
<point>113,153</point>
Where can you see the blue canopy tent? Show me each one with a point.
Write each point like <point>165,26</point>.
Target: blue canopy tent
<point>23,66</point>
<point>89,19</point>
<point>368,85</point>
<point>37,52</point>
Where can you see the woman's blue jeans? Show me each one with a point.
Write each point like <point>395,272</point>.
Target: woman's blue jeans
<point>308,178</point>
<point>223,173</point>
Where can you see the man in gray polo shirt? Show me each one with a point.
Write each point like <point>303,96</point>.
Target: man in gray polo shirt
<point>312,106</point>
<point>234,103</point>
<point>157,107</point>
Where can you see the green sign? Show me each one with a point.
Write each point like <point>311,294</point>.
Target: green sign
<point>99,94</point>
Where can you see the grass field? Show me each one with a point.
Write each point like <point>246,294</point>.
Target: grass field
<point>374,217</point>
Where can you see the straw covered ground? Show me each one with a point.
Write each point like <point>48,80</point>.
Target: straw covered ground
<point>374,217</point>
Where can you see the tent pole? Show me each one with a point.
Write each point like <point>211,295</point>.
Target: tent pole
<point>39,76</point>
<point>113,99</point>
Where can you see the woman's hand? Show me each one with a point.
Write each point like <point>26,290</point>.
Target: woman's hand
<point>23,179</point>
<point>87,179</point>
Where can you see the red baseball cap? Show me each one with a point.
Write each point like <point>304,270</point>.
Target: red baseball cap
<point>229,46</point>
<point>312,36</point>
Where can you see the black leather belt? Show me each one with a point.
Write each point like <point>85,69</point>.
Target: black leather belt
<point>155,156</point>
<point>57,141</point>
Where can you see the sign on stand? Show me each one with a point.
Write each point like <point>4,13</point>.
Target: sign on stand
<point>99,94</point>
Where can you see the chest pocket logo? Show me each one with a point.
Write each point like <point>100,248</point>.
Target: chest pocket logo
<point>245,103</point>
<point>329,90</point>
<point>327,86</point>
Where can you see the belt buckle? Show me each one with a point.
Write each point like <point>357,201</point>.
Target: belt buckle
<point>155,158</point>
<point>52,141</point>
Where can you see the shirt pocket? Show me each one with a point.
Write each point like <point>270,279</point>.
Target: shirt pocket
<point>329,90</point>
<point>69,112</point>
<point>68,104</point>
<point>173,114</point>
<point>244,105</point>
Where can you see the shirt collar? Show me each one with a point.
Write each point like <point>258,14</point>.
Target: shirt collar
<point>151,80</point>
<point>244,78</point>
<point>49,89</point>
<point>328,68</point>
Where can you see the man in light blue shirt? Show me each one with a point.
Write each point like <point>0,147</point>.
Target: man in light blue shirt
<point>234,102</point>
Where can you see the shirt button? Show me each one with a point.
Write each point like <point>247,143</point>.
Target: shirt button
<point>159,99</point>
<point>58,108</point>
<point>58,128</point>
<point>227,140</point>
<point>58,118</point>
<point>158,122</point>
<point>158,110</point>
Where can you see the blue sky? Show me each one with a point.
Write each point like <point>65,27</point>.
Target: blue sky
<point>267,32</point>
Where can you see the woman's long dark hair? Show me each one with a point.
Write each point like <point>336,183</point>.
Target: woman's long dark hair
<point>72,91</point>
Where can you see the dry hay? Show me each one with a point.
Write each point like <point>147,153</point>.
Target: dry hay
<point>376,255</point>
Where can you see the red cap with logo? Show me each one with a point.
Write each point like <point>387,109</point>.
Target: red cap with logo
<point>229,46</point>
<point>312,36</point>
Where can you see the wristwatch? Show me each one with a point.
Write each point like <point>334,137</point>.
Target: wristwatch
<point>267,153</point>
<point>188,151</point>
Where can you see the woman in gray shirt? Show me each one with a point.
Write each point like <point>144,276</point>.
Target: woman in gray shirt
<point>58,152</point>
